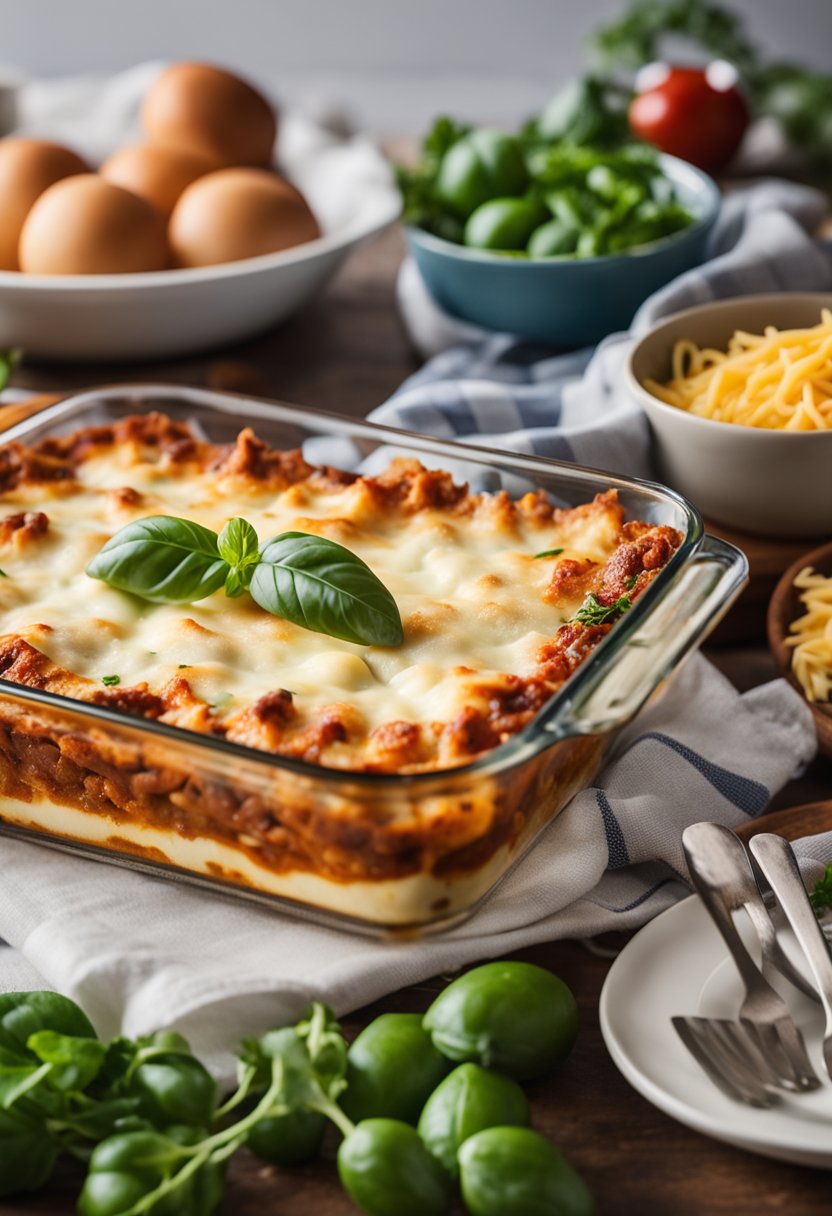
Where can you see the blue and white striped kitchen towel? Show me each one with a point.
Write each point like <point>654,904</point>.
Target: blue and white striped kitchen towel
<point>498,391</point>
<point>141,953</point>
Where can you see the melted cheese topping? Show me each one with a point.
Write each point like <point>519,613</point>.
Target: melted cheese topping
<point>470,590</point>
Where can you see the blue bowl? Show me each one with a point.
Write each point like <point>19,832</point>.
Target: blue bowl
<point>564,301</point>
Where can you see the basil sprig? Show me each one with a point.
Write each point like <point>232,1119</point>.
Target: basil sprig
<point>308,580</point>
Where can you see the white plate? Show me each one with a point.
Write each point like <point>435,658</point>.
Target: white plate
<point>174,312</point>
<point>678,964</point>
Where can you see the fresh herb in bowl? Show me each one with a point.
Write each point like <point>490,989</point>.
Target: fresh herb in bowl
<point>527,195</point>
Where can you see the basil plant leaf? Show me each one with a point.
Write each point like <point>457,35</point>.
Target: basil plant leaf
<point>238,543</point>
<point>162,558</point>
<point>322,586</point>
<point>75,1062</point>
<point>237,581</point>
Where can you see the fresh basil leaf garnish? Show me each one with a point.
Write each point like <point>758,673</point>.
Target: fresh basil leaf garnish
<point>238,543</point>
<point>239,546</point>
<point>548,553</point>
<point>237,581</point>
<point>162,558</point>
<point>320,585</point>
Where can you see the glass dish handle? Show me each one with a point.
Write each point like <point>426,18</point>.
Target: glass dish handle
<point>694,604</point>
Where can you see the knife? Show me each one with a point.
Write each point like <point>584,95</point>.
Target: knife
<point>777,861</point>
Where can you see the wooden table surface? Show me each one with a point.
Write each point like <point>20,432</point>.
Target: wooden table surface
<point>347,352</point>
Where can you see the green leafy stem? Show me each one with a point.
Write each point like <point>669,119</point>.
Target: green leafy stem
<point>141,1114</point>
<point>308,580</point>
<point>821,897</point>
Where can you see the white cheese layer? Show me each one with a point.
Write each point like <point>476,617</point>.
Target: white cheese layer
<point>469,589</point>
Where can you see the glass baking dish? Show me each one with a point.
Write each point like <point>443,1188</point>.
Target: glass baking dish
<point>376,852</point>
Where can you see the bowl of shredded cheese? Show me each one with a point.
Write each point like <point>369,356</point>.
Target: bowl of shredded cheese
<point>738,394</point>
<point>800,634</point>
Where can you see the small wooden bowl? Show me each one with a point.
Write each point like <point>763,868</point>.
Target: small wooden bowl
<point>785,607</point>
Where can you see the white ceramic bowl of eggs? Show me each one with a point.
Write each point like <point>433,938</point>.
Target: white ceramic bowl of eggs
<point>185,241</point>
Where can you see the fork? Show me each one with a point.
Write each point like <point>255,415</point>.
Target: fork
<point>766,1034</point>
<point>729,1068</point>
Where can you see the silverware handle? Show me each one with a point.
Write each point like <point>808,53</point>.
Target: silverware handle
<point>713,873</point>
<point>779,864</point>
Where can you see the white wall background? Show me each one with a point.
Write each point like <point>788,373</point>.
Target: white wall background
<point>393,63</point>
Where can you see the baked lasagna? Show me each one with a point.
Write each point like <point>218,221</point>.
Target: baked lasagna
<point>491,591</point>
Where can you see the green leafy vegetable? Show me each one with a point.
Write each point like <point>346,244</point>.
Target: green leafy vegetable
<point>322,586</point>
<point>580,193</point>
<point>111,679</point>
<point>239,546</point>
<point>163,559</point>
<point>800,99</point>
<point>142,1114</point>
<point>548,553</point>
<point>821,897</point>
<point>309,580</point>
<point>592,612</point>
<point>8,360</point>
<point>591,111</point>
<point>638,36</point>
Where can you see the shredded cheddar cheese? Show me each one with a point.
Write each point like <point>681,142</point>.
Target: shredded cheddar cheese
<point>779,380</point>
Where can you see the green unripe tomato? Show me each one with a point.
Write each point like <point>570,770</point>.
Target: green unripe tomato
<point>108,1194</point>
<point>469,1100</point>
<point>27,1154</point>
<point>392,1068</point>
<point>175,1089</point>
<point>516,1170</point>
<point>553,240</point>
<point>503,223</point>
<point>288,1139</point>
<point>386,1170</point>
<point>483,164</point>
<point>150,1151</point>
<point>514,1017</point>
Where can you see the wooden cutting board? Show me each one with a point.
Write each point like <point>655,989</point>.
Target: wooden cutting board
<point>18,410</point>
<point>806,820</point>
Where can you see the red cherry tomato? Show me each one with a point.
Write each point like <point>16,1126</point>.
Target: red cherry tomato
<point>688,114</point>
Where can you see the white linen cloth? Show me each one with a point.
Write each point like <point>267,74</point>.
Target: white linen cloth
<point>139,953</point>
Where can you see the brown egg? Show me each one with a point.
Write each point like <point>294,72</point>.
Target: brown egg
<point>27,168</point>
<point>211,111</point>
<point>238,213</point>
<point>86,225</point>
<point>157,172</point>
